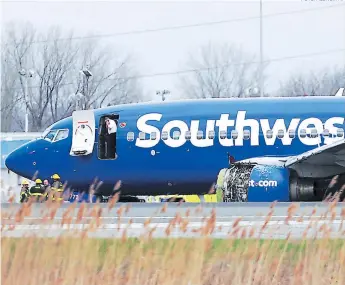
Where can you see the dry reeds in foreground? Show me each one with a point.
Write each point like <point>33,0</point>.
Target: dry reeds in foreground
<point>82,260</point>
<point>181,261</point>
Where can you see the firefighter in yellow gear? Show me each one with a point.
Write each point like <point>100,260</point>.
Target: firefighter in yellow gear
<point>37,192</point>
<point>56,188</point>
<point>24,192</point>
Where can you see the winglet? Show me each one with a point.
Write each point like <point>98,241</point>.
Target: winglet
<point>340,92</point>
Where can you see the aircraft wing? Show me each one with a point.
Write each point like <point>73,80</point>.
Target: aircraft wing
<point>340,92</point>
<point>265,174</point>
<point>324,161</point>
<point>321,162</point>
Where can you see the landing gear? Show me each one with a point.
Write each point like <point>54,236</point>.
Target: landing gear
<point>130,199</point>
<point>122,199</point>
<point>175,200</point>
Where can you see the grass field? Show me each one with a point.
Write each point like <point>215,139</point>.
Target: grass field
<point>77,259</point>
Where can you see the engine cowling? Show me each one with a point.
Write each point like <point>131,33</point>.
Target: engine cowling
<point>267,183</point>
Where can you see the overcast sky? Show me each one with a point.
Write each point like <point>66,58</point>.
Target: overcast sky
<point>166,51</point>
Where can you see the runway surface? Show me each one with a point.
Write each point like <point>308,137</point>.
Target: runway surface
<point>140,218</point>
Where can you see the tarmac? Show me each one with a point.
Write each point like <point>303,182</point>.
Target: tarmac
<point>219,220</point>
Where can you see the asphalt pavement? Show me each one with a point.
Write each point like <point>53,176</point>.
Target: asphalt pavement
<point>250,219</point>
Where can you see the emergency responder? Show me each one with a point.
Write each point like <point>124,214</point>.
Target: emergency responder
<point>110,137</point>
<point>24,192</point>
<point>37,192</point>
<point>56,188</point>
<point>46,186</point>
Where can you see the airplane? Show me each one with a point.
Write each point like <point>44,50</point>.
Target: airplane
<point>274,149</point>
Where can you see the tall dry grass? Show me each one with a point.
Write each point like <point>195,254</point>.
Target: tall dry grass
<point>241,259</point>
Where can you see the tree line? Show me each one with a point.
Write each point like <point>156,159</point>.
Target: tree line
<point>58,87</point>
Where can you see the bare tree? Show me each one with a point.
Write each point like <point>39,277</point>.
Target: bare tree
<point>322,83</point>
<point>13,54</point>
<point>50,62</point>
<point>113,80</point>
<point>10,96</point>
<point>57,64</point>
<point>220,71</point>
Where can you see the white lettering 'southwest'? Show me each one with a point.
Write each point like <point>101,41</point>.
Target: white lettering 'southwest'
<point>240,124</point>
<point>278,125</point>
<point>183,128</point>
<point>329,125</point>
<point>223,123</point>
<point>194,128</point>
<point>143,127</point>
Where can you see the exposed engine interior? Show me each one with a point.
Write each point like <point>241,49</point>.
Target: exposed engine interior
<point>236,183</point>
<point>237,178</point>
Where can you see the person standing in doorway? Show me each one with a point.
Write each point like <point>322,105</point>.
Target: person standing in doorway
<point>111,138</point>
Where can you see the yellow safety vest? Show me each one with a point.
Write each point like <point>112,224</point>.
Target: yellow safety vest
<point>56,188</point>
<point>24,194</point>
<point>36,191</point>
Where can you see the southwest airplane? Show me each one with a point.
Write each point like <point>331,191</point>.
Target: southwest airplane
<point>285,149</point>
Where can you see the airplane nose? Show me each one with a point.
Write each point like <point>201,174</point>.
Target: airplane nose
<point>13,161</point>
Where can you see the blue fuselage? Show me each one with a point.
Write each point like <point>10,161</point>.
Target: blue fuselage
<point>185,166</point>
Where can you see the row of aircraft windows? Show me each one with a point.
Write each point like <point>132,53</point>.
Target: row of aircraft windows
<point>234,134</point>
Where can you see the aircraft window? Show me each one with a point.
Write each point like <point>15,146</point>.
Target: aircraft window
<point>199,135</point>
<point>340,133</point>
<point>291,134</point>
<point>325,133</point>
<point>222,135</point>
<point>62,134</point>
<point>303,133</point>
<point>269,134</point>
<point>164,135</point>
<point>313,133</point>
<point>44,134</point>
<point>176,135</point>
<point>50,136</point>
<point>211,134</point>
<point>234,134</point>
<point>280,134</point>
<point>188,135</point>
<point>153,136</point>
<point>141,136</point>
<point>130,136</point>
<point>246,134</point>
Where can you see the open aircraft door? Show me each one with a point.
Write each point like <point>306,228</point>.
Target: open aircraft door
<point>83,138</point>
